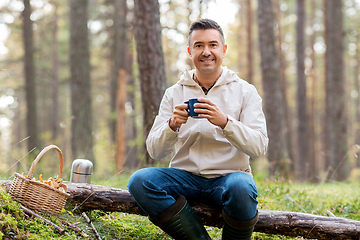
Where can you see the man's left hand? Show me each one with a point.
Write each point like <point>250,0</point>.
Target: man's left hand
<point>209,110</point>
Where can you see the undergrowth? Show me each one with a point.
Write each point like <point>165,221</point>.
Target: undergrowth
<point>341,199</point>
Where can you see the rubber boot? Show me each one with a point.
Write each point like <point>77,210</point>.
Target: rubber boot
<point>239,230</point>
<point>181,222</point>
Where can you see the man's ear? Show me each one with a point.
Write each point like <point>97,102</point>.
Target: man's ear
<point>224,50</point>
<point>189,51</point>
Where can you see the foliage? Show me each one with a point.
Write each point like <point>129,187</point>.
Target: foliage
<point>338,198</point>
<point>9,213</point>
<point>175,18</point>
<point>281,195</point>
<point>14,225</point>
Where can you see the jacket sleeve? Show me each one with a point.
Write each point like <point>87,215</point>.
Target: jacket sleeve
<point>161,139</point>
<point>249,134</point>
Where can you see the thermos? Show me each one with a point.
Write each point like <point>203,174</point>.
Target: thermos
<point>81,171</point>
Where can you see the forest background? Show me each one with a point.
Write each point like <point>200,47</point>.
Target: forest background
<point>88,76</point>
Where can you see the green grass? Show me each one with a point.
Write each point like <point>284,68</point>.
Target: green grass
<point>342,199</point>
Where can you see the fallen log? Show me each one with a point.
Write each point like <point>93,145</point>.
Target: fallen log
<point>88,197</point>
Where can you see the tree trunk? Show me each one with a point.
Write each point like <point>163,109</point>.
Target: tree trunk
<point>303,129</point>
<point>325,125</point>
<point>118,83</point>
<point>120,155</point>
<point>55,76</point>
<point>290,130</point>
<point>315,140</point>
<point>241,38</point>
<point>336,133</point>
<point>81,125</point>
<point>30,87</point>
<point>119,57</point>
<point>132,160</point>
<point>188,60</point>
<point>150,60</point>
<point>274,104</point>
<point>357,103</point>
<point>250,62</point>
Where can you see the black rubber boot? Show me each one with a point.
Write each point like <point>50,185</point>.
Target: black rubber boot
<point>181,222</point>
<point>238,230</point>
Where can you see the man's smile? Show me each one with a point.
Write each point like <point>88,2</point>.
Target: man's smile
<point>206,60</point>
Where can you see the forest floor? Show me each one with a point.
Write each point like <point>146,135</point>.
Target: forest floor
<point>342,199</point>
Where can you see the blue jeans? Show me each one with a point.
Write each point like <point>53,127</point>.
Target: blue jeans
<point>154,188</point>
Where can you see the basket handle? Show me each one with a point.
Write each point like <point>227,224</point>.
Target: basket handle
<point>37,159</point>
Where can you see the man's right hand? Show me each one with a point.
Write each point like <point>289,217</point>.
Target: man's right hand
<point>180,116</point>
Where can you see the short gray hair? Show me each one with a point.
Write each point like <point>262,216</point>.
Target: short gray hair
<point>205,24</point>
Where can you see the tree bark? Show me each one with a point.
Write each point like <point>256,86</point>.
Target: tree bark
<point>81,125</point>
<point>249,53</point>
<point>120,154</point>
<point>120,75</point>
<point>241,38</point>
<point>119,57</point>
<point>55,75</point>
<point>108,199</point>
<point>314,105</point>
<point>188,60</point>
<point>150,60</point>
<point>30,87</point>
<point>290,129</point>
<point>357,102</point>
<point>336,119</point>
<point>274,103</point>
<point>132,160</point>
<point>303,129</point>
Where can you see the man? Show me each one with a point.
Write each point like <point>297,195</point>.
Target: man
<point>212,152</point>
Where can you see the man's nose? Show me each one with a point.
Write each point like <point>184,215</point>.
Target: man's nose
<point>206,51</point>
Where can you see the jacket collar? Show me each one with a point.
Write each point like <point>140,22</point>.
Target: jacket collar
<point>226,77</point>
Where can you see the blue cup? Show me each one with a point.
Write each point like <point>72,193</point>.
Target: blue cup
<point>191,108</point>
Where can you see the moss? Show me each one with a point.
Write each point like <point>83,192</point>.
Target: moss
<point>14,224</point>
<point>9,213</point>
<point>276,195</point>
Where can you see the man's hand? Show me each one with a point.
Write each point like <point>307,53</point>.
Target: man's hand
<point>209,110</point>
<point>180,116</point>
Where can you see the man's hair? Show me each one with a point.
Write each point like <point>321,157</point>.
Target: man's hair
<point>205,24</point>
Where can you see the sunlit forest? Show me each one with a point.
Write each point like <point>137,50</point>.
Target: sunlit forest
<point>77,74</point>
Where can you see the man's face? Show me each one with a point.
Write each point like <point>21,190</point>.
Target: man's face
<point>207,51</point>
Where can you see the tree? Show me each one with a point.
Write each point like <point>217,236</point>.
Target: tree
<point>29,71</point>
<point>81,127</point>
<point>188,60</point>
<point>303,163</point>
<point>119,50</point>
<point>242,36</point>
<point>131,130</point>
<point>274,108</point>
<point>249,53</point>
<point>55,74</point>
<point>150,60</point>
<point>118,82</point>
<point>357,102</point>
<point>336,121</point>
<point>313,116</point>
<point>290,130</point>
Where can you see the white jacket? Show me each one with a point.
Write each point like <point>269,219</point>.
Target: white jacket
<point>201,147</point>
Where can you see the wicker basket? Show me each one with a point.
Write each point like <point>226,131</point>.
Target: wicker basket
<point>36,195</point>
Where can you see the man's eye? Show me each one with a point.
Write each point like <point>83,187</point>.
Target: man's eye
<point>198,45</point>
